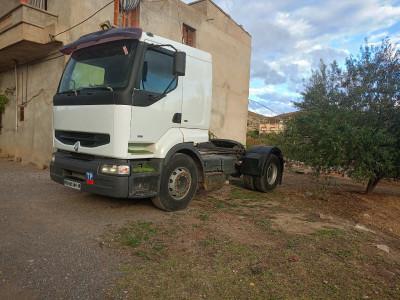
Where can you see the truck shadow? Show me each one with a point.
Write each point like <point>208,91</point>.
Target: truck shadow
<point>98,200</point>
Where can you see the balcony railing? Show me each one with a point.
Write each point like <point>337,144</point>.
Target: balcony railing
<point>42,4</point>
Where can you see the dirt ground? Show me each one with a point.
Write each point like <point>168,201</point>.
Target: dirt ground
<point>299,241</point>
<point>345,198</point>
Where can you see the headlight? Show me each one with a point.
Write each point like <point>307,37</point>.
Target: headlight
<point>114,170</point>
<point>53,158</point>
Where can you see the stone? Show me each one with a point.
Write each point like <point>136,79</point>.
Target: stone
<point>325,217</point>
<point>363,228</point>
<point>383,248</point>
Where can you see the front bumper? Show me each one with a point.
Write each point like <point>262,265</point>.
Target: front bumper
<point>73,168</point>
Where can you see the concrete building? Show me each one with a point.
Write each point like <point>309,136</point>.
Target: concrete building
<point>265,125</point>
<point>32,32</point>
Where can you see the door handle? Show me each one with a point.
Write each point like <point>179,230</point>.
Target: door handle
<point>177,118</point>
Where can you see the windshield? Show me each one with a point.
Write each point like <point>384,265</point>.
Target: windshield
<point>104,66</point>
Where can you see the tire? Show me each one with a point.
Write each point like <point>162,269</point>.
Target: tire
<point>272,174</point>
<point>178,186</point>
<point>248,181</point>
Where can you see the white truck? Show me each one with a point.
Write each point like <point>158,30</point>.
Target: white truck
<point>131,120</point>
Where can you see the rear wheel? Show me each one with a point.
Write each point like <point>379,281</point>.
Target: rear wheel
<point>269,180</point>
<point>178,183</point>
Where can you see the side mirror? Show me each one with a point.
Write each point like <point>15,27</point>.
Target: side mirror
<point>179,63</point>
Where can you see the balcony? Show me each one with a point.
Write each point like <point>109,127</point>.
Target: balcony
<point>25,35</point>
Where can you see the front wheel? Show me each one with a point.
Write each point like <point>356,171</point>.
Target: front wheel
<point>179,180</point>
<point>270,179</point>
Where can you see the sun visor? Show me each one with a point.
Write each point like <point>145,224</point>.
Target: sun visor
<point>103,36</point>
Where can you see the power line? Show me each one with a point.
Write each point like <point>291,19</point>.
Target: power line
<point>257,108</point>
<point>53,36</point>
<point>253,106</point>
<point>258,103</point>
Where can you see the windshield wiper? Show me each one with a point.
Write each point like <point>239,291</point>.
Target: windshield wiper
<point>70,91</point>
<point>158,97</point>
<point>98,87</point>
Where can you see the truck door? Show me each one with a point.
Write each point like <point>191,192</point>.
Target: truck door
<point>157,102</point>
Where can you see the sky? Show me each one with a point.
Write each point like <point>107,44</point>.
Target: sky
<point>289,37</point>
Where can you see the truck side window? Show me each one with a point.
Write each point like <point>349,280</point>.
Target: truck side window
<point>157,72</point>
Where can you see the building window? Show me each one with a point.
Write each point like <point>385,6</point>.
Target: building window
<point>39,3</point>
<point>188,35</point>
<point>125,13</point>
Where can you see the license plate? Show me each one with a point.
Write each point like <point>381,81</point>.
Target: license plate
<point>72,184</point>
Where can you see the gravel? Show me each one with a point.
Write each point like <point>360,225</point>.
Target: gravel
<point>49,236</point>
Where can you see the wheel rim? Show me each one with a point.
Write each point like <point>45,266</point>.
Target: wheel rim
<point>272,174</point>
<point>179,183</point>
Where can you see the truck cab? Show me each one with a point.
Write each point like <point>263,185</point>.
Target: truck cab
<point>131,119</point>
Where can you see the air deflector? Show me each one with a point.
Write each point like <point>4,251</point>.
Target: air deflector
<point>101,37</point>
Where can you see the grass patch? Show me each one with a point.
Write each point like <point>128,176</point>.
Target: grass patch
<point>139,235</point>
<point>229,257</point>
<point>210,242</point>
<point>138,151</point>
<point>264,223</point>
<point>204,217</point>
<point>145,168</point>
<point>229,269</point>
<point>292,266</point>
<point>219,204</point>
<point>246,195</point>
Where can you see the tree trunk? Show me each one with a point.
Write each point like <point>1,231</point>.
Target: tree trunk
<point>372,183</point>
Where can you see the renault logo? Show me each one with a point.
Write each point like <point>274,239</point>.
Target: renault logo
<point>76,146</point>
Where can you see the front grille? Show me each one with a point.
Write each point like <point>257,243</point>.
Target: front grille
<point>86,139</point>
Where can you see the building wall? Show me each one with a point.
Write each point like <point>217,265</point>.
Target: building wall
<point>7,5</point>
<point>273,127</point>
<point>216,33</point>
<point>32,140</point>
<point>230,47</point>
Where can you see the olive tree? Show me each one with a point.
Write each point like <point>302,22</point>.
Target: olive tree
<point>349,119</point>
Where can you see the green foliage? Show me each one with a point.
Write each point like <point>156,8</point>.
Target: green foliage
<point>4,97</point>
<point>3,102</point>
<point>211,135</point>
<point>271,139</point>
<point>350,117</point>
<point>254,134</point>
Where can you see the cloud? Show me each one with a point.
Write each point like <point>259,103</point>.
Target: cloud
<point>268,74</point>
<point>259,91</point>
<point>328,55</point>
<point>290,37</point>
